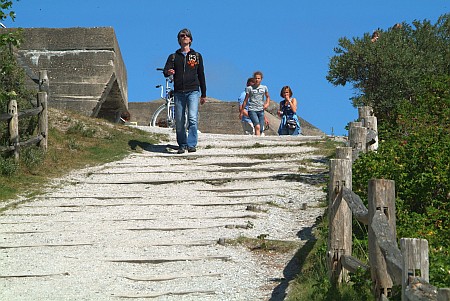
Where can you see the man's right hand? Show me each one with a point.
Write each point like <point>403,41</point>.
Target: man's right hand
<point>170,72</point>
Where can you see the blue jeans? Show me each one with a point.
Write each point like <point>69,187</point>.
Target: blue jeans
<point>257,117</point>
<point>189,101</point>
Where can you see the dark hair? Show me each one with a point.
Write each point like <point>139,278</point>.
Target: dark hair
<point>257,73</point>
<point>187,32</point>
<point>286,88</point>
<point>250,80</point>
<point>125,115</point>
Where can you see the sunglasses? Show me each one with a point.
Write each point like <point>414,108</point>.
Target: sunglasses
<point>181,36</point>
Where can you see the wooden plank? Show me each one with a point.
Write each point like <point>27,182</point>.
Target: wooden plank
<point>30,112</point>
<point>5,117</point>
<point>352,264</point>
<point>31,141</point>
<point>355,203</point>
<point>391,255</point>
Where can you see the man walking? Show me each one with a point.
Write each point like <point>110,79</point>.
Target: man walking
<point>186,66</point>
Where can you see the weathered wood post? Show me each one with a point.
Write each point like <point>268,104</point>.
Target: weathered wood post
<point>43,120</point>
<point>340,218</point>
<point>357,136</point>
<point>415,261</point>
<point>443,294</point>
<point>14,128</point>
<point>43,81</point>
<point>381,198</point>
<point>371,124</point>
<point>365,111</point>
<point>369,121</point>
<point>354,124</point>
<point>344,153</point>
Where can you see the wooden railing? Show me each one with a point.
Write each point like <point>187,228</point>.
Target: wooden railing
<point>13,116</point>
<point>389,265</point>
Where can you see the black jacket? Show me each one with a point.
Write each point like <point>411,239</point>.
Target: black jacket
<point>189,71</point>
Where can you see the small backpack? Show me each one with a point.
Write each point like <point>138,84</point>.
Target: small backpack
<point>291,124</point>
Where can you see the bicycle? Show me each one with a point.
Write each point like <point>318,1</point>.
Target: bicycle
<point>165,120</point>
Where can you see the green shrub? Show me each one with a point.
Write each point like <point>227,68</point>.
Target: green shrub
<point>72,144</point>
<point>12,86</point>
<point>79,128</point>
<point>32,157</point>
<point>415,154</point>
<point>8,167</point>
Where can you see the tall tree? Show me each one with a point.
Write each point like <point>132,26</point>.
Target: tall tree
<point>389,70</point>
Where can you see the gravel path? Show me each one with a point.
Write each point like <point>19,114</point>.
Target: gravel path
<point>148,227</point>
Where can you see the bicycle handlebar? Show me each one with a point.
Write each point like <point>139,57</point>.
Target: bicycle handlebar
<point>169,79</point>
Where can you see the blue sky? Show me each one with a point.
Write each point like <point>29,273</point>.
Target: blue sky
<point>291,42</point>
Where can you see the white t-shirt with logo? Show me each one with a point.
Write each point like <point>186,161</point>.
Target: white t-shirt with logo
<point>256,97</point>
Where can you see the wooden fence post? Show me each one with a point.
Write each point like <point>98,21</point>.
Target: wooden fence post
<point>365,111</point>
<point>354,123</point>
<point>43,120</point>
<point>344,153</point>
<point>369,121</point>
<point>415,261</point>
<point>357,136</point>
<point>443,294</point>
<point>43,81</point>
<point>14,128</point>
<point>340,218</point>
<point>381,197</point>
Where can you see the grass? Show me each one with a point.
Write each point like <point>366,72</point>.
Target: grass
<point>262,244</point>
<point>74,142</point>
<point>325,148</point>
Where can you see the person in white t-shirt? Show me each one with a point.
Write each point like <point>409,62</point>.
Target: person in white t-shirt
<point>254,96</point>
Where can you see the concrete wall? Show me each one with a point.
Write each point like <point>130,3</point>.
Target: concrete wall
<point>219,117</point>
<point>87,75</point>
<point>85,68</point>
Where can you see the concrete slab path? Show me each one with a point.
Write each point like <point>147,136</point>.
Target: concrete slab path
<point>148,227</point>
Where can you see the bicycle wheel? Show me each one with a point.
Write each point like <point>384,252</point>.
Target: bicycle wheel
<point>161,119</point>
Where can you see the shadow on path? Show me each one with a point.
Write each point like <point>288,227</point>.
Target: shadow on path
<point>155,148</point>
<point>295,265</point>
<point>312,179</point>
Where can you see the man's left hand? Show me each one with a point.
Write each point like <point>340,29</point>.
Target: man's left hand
<point>202,100</point>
